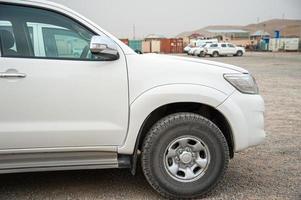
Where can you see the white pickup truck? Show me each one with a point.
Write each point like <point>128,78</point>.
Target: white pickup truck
<point>75,97</point>
<point>224,49</point>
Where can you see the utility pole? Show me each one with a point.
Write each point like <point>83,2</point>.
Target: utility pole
<point>134,32</point>
<point>283,18</point>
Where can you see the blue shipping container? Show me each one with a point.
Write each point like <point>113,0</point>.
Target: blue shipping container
<point>136,44</point>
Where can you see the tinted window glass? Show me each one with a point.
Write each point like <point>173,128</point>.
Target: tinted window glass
<point>224,45</point>
<point>213,45</point>
<point>63,43</point>
<point>7,39</point>
<point>51,35</point>
<point>231,45</point>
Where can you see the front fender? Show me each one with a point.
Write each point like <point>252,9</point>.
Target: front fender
<point>150,100</point>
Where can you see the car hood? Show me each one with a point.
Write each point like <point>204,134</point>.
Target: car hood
<point>147,71</point>
<point>211,63</point>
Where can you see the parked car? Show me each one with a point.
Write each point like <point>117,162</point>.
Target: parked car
<point>223,49</point>
<point>187,48</point>
<point>100,108</point>
<point>192,50</point>
<point>200,51</point>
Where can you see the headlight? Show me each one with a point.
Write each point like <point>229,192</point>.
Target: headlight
<point>244,83</point>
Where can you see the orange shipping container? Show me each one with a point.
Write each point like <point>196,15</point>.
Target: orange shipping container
<point>165,46</point>
<point>180,45</point>
<point>173,45</point>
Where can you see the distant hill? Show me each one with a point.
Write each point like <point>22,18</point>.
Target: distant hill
<point>287,27</point>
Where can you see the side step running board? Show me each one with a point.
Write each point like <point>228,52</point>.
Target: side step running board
<point>31,162</point>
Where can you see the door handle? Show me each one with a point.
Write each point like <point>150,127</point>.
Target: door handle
<point>12,74</point>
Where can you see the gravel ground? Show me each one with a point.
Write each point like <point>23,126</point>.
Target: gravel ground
<point>269,171</point>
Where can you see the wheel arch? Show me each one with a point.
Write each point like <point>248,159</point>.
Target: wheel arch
<point>204,110</point>
<point>161,101</point>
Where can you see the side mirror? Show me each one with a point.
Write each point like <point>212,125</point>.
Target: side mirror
<point>104,47</point>
<point>138,51</point>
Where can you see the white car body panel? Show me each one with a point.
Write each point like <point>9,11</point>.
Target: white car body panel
<point>60,104</point>
<point>152,70</point>
<point>201,49</point>
<point>187,48</point>
<point>159,96</point>
<point>245,114</point>
<point>192,50</point>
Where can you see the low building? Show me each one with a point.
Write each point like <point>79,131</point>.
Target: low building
<point>258,35</point>
<point>230,34</point>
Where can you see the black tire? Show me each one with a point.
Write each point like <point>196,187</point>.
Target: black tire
<point>239,53</point>
<point>201,54</point>
<point>215,54</point>
<point>159,138</point>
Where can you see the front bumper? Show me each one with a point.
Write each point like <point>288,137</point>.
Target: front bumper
<point>245,114</point>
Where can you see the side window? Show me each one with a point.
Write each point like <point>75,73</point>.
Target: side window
<point>224,45</point>
<point>63,43</point>
<point>213,45</point>
<point>48,34</point>
<point>32,36</point>
<point>231,45</point>
<point>7,39</point>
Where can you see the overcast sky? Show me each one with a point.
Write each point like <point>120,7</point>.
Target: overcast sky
<point>171,17</point>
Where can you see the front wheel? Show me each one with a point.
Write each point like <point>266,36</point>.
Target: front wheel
<point>239,53</point>
<point>215,54</point>
<point>184,156</point>
<point>201,54</point>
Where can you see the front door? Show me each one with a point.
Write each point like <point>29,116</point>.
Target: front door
<point>232,49</point>
<point>224,50</point>
<point>54,92</point>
